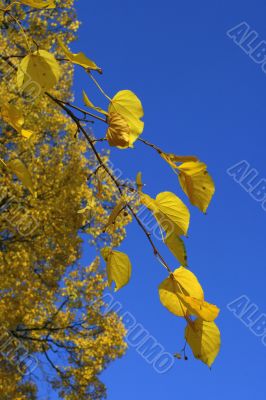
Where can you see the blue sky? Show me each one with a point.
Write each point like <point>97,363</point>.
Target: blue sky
<point>202,95</point>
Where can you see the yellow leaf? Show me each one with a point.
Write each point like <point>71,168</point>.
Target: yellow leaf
<point>196,183</point>
<point>199,307</point>
<point>128,105</point>
<point>118,132</point>
<point>20,170</point>
<point>116,211</point>
<point>26,133</point>
<point>79,58</point>
<point>89,104</point>
<point>99,188</point>
<point>14,117</point>
<point>191,168</point>
<point>118,267</point>
<point>149,202</point>
<point>177,247</point>
<point>182,281</point>
<point>170,212</point>
<point>39,69</point>
<point>204,340</point>
<point>39,3</point>
<point>173,213</point>
<point>139,182</point>
<point>173,159</point>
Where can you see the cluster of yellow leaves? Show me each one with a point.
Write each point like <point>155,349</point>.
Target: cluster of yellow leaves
<point>181,292</point>
<point>40,68</point>
<point>11,386</point>
<point>183,296</point>
<point>124,111</point>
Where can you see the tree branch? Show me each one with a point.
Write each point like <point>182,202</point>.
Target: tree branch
<point>101,163</point>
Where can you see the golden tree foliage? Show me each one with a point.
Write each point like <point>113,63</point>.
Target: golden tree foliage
<point>52,170</point>
<point>48,195</point>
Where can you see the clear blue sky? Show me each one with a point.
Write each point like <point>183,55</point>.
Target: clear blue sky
<point>202,95</point>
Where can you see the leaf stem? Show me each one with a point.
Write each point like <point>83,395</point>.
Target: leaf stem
<point>98,86</point>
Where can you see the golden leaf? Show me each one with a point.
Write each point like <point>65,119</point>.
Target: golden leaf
<point>204,340</point>
<point>79,58</point>
<point>182,281</point>
<point>196,183</point>
<point>173,159</point>
<point>128,105</point>
<point>118,267</point>
<point>173,213</point>
<point>39,69</point>
<point>139,182</point>
<point>115,212</point>
<point>118,132</point>
<point>20,170</point>
<point>177,247</point>
<point>89,104</point>
<point>199,307</point>
<point>39,3</point>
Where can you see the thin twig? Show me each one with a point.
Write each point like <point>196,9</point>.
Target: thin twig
<point>81,110</point>
<point>153,146</point>
<point>160,152</point>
